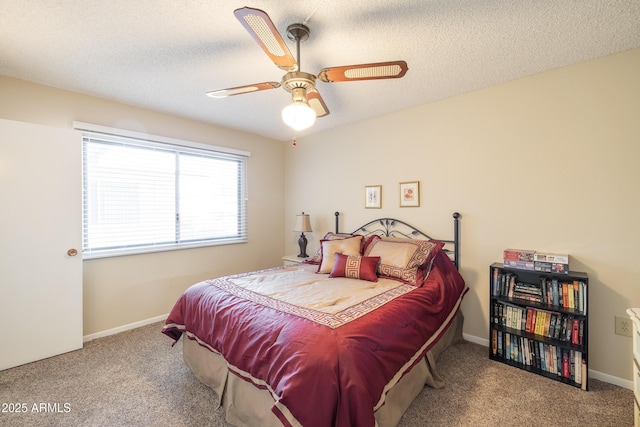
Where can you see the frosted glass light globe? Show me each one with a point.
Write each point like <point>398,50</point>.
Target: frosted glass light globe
<point>298,116</point>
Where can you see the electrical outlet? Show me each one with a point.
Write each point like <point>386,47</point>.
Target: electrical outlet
<point>624,326</point>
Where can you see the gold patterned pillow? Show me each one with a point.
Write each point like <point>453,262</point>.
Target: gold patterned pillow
<point>317,257</point>
<point>402,258</point>
<point>349,246</point>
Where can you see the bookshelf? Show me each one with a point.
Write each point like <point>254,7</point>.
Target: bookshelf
<point>539,322</point>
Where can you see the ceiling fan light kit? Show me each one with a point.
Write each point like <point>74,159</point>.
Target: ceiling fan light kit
<point>307,102</point>
<point>298,116</point>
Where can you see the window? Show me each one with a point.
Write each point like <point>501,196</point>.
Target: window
<point>145,194</point>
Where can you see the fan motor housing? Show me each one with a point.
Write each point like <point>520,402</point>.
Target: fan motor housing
<point>298,79</point>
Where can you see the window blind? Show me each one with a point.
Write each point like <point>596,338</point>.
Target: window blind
<point>142,195</point>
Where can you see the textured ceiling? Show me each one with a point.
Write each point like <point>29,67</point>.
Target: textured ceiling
<point>165,54</point>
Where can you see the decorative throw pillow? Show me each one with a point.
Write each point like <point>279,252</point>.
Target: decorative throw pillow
<point>317,257</point>
<point>349,246</point>
<point>355,267</point>
<point>402,258</point>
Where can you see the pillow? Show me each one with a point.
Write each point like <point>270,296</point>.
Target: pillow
<point>317,257</point>
<point>402,258</point>
<point>348,246</point>
<point>355,267</point>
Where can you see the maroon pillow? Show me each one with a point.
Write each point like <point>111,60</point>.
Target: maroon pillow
<point>355,267</point>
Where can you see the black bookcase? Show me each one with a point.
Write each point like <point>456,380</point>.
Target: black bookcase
<point>539,322</point>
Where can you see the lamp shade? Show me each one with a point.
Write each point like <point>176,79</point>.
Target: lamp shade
<point>302,223</point>
<point>298,115</point>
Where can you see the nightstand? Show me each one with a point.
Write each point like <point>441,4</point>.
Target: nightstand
<point>292,259</point>
<point>634,313</point>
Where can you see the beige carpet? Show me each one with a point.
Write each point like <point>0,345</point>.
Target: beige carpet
<point>137,379</point>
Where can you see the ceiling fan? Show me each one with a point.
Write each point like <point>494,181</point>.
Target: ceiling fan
<point>307,102</point>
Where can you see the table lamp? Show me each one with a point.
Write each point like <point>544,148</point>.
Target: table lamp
<point>302,224</point>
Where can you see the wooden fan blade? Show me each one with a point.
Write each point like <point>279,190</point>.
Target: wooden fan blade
<point>239,90</point>
<point>261,28</point>
<point>316,102</point>
<point>377,70</point>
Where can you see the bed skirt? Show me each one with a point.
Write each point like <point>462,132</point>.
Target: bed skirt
<point>246,405</point>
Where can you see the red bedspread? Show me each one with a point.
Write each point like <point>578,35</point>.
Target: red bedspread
<point>319,375</point>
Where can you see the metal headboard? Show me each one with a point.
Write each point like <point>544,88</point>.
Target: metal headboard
<point>391,227</point>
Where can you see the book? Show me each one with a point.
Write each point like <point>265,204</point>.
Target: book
<point>494,285</point>
<point>572,300</point>
<point>565,364</point>
<point>544,267</point>
<point>547,324</point>
<point>528,292</point>
<point>522,265</point>
<point>559,268</point>
<point>494,341</point>
<point>529,319</point>
<point>541,319</point>
<point>572,365</point>
<point>519,255</point>
<point>512,285</point>
<point>575,332</point>
<point>528,288</point>
<point>503,284</point>
<point>554,291</point>
<point>552,325</point>
<point>581,297</point>
<point>549,257</point>
<point>558,328</point>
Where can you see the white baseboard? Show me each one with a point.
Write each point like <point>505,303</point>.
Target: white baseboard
<point>124,328</point>
<point>476,340</point>
<point>620,382</point>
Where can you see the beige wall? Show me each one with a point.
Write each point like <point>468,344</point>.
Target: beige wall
<point>549,162</point>
<point>123,290</point>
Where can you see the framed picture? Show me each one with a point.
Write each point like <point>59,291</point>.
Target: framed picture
<point>373,196</point>
<point>409,194</point>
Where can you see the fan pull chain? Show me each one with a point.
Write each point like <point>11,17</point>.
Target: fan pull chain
<point>294,142</point>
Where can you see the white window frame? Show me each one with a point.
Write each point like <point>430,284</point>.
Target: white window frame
<point>187,147</point>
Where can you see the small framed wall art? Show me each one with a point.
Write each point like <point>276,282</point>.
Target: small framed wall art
<point>373,196</point>
<point>409,194</point>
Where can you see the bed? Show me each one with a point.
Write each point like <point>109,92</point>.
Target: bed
<point>348,338</point>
